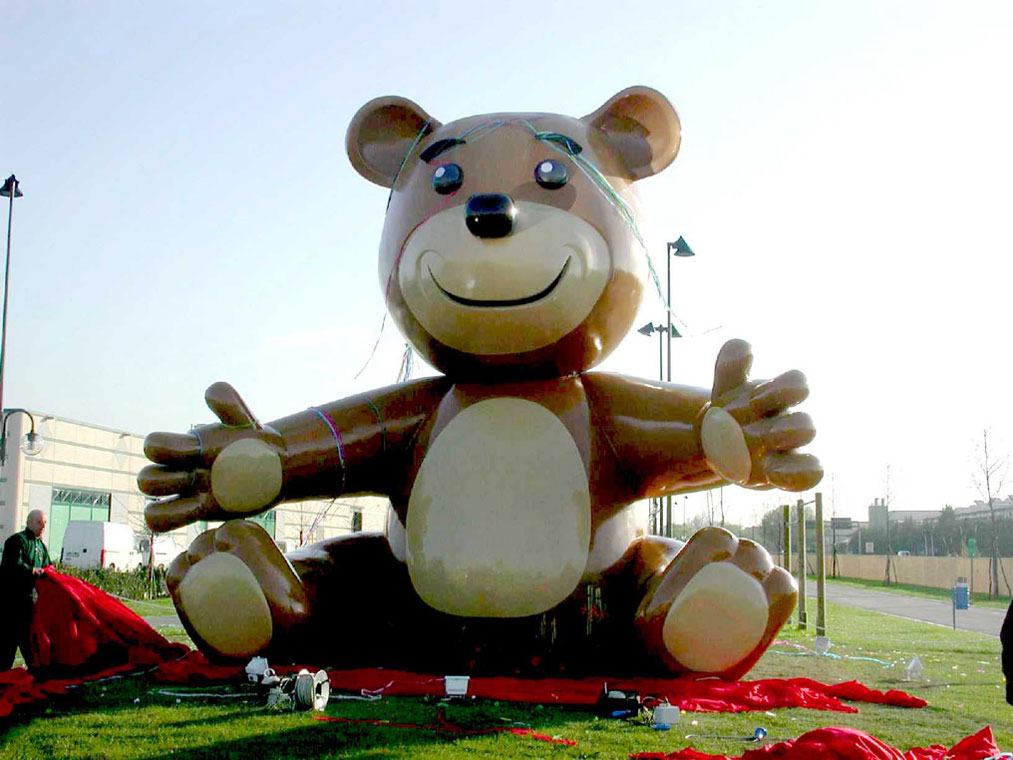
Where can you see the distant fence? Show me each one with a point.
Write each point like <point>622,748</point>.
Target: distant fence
<point>935,572</point>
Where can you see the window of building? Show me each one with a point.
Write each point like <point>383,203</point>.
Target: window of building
<point>74,504</point>
<point>356,520</point>
<point>267,521</point>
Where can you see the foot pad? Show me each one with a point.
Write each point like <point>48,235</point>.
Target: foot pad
<point>226,606</point>
<point>717,620</point>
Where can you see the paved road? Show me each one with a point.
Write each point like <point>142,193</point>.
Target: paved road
<point>985,620</point>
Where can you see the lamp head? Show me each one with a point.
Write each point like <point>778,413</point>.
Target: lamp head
<point>11,187</point>
<point>32,443</point>
<point>680,248</point>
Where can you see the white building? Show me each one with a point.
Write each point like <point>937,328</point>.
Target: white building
<point>89,472</point>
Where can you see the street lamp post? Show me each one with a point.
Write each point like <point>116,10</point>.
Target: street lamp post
<point>32,443</point>
<point>649,329</point>
<point>11,189</point>
<point>679,248</point>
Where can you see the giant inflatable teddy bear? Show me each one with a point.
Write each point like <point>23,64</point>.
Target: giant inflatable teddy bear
<point>510,258</point>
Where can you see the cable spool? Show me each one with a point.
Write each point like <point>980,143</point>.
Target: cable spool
<point>312,691</point>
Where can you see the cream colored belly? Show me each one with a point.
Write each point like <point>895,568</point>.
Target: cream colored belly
<point>499,518</point>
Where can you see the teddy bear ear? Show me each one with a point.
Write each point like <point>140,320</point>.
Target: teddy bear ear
<point>381,134</point>
<point>643,126</point>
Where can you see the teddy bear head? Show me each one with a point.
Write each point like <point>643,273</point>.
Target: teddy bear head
<point>510,247</point>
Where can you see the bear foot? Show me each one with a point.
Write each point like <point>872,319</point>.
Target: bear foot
<point>716,607</point>
<point>235,592</point>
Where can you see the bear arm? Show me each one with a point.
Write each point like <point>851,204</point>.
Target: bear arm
<point>358,444</point>
<point>653,429</point>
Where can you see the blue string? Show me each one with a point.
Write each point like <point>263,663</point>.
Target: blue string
<point>337,439</point>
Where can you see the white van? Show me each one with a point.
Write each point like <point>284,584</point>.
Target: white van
<point>166,550</point>
<point>88,544</point>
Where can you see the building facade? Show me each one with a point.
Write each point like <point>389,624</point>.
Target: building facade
<point>89,472</point>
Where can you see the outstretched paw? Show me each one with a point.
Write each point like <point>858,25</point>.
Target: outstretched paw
<point>214,472</point>
<point>717,606</point>
<point>748,434</point>
<point>235,592</point>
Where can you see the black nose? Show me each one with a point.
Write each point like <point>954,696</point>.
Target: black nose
<point>490,215</point>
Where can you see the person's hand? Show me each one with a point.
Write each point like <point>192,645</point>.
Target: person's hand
<point>37,571</point>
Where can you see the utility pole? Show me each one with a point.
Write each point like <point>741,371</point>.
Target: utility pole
<point>821,571</point>
<point>786,537</point>
<point>802,616</point>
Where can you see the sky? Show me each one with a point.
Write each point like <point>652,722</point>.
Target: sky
<point>190,214</point>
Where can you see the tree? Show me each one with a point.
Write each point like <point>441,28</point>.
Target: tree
<point>988,478</point>
<point>773,530</point>
<point>948,531</point>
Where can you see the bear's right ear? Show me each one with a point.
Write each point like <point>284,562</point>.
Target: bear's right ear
<point>381,134</point>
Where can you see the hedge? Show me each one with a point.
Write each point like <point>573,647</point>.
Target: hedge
<point>132,584</point>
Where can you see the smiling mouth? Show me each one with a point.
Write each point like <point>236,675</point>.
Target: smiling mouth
<point>489,303</point>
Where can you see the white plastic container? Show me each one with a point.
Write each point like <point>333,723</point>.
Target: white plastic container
<point>457,686</point>
<point>665,715</point>
<point>256,668</point>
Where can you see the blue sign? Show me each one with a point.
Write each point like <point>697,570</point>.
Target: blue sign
<point>961,597</point>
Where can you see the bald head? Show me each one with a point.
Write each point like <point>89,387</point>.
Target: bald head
<point>36,522</point>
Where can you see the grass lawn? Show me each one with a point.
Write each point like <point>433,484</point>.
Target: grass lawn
<point>127,718</point>
<point>943,594</point>
<point>151,607</point>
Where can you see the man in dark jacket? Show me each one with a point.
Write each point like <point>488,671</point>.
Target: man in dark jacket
<point>1006,639</point>
<point>24,558</point>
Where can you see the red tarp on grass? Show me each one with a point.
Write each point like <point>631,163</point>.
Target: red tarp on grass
<point>79,626</point>
<point>82,634</point>
<point>707,695</point>
<point>80,630</point>
<point>842,743</point>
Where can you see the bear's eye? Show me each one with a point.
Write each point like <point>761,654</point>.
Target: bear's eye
<point>447,178</point>
<point>551,175</point>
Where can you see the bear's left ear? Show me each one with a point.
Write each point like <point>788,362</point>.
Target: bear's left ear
<point>643,126</point>
<point>381,134</point>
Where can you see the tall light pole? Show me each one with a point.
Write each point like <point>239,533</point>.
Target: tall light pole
<point>10,190</point>
<point>679,248</point>
<point>649,329</point>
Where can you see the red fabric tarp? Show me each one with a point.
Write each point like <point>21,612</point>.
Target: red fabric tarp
<point>79,626</point>
<point>842,743</point>
<point>707,695</point>
<point>81,631</point>
<point>19,687</point>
